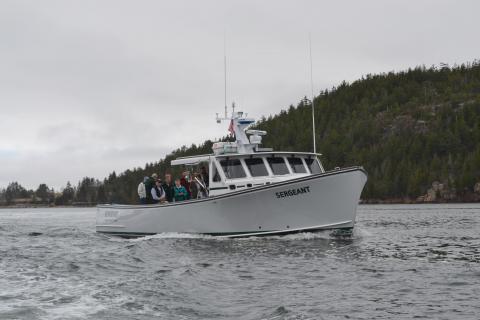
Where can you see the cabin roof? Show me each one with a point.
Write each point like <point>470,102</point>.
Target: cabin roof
<point>225,155</point>
<point>194,160</point>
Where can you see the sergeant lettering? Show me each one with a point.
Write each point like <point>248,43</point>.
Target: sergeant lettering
<point>292,192</point>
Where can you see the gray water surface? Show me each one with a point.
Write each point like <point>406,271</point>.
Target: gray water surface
<point>402,262</point>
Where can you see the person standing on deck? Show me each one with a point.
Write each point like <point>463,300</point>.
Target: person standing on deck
<point>142,192</point>
<point>184,181</point>
<point>181,192</point>
<point>194,189</point>
<point>158,195</point>
<point>197,187</point>
<point>149,184</point>
<point>168,187</point>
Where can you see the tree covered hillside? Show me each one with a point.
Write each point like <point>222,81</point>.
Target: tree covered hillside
<point>407,129</point>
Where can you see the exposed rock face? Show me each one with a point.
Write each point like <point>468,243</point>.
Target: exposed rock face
<point>476,188</point>
<point>431,196</point>
<point>402,124</point>
<point>439,192</point>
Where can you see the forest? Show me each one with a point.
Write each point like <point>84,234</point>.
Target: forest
<point>416,132</point>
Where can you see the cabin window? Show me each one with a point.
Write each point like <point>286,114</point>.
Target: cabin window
<point>257,167</point>
<point>297,165</point>
<point>215,175</point>
<point>278,166</point>
<point>313,165</point>
<point>233,169</point>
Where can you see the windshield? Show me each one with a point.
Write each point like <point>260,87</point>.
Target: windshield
<point>297,165</point>
<point>233,169</point>
<point>313,165</point>
<point>278,165</point>
<point>257,167</point>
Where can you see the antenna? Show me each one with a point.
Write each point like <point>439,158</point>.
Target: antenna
<point>313,98</point>
<point>225,69</point>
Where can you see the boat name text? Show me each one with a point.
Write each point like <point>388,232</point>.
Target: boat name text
<point>292,192</point>
<point>111,214</point>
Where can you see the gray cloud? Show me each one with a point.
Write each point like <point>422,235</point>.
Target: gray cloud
<point>87,87</point>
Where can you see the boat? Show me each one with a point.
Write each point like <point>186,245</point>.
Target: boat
<point>252,191</point>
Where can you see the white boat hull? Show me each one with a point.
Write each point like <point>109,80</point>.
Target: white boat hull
<point>323,201</point>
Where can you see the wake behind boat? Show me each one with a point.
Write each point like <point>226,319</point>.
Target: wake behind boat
<point>252,191</point>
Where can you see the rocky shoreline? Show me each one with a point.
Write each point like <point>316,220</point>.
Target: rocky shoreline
<point>440,192</point>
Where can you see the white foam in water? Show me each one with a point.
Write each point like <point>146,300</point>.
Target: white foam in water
<point>84,307</point>
<point>325,234</point>
<point>303,236</point>
<point>360,233</point>
<point>174,235</point>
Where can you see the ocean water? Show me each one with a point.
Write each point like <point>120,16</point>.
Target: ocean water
<point>402,262</point>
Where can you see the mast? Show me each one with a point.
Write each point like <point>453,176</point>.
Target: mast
<point>313,98</point>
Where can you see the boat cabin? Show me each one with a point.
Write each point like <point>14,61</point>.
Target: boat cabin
<point>237,171</point>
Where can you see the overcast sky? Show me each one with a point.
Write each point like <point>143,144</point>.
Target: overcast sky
<point>88,87</point>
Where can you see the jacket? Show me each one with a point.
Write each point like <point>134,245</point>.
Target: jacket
<point>181,193</point>
<point>194,189</point>
<point>142,193</point>
<point>169,191</point>
<point>149,184</point>
<point>157,193</point>
<point>185,184</point>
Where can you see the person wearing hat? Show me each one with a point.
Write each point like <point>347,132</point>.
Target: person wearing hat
<point>158,195</point>
<point>148,187</point>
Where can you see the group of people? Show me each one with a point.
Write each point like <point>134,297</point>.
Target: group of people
<point>153,190</point>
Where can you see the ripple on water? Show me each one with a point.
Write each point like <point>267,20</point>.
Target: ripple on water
<point>400,262</point>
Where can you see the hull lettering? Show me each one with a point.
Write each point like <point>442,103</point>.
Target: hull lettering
<point>292,192</point>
